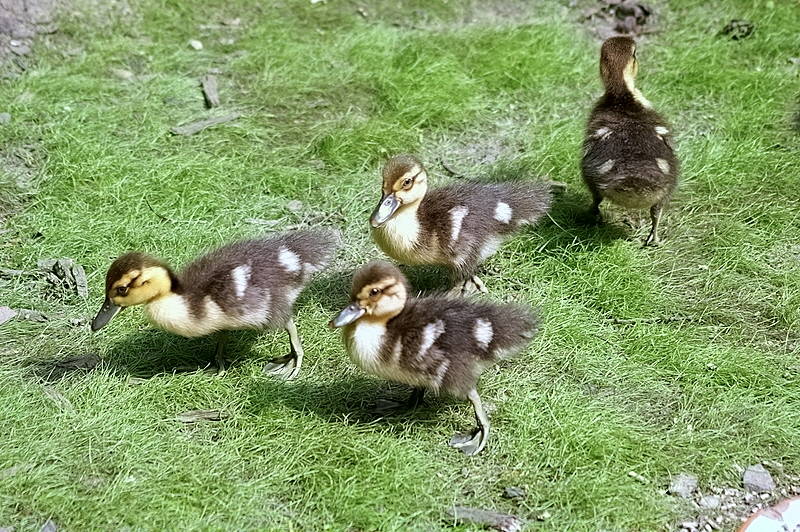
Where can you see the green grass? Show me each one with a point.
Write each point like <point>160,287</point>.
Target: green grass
<point>498,89</point>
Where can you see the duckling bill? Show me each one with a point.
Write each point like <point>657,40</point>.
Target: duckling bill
<point>628,153</point>
<point>251,284</point>
<point>456,226</point>
<point>434,343</point>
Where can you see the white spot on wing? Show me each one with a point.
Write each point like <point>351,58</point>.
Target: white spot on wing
<point>661,130</point>
<point>457,215</point>
<point>431,332</point>
<point>289,260</point>
<point>440,373</point>
<point>603,133</point>
<point>503,212</point>
<point>663,165</point>
<point>606,166</point>
<point>241,276</point>
<point>483,332</point>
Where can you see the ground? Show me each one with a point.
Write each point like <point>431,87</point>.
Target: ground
<point>652,361</point>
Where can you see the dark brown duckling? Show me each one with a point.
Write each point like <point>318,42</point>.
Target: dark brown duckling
<point>250,284</point>
<point>435,343</point>
<point>628,156</point>
<point>456,226</point>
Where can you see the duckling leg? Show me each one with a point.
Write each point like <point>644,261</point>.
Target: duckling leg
<point>387,406</point>
<point>594,211</point>
<point>473,442</point>
<point>289,365</point>
<point>655,217</point>
<point>479,284</point>
<point>219,355</point>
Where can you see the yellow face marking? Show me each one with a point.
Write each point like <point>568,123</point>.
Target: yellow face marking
<point>140,286</point>
<point>126,279</point>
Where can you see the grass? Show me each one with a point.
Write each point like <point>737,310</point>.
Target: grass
<point>498,89</point>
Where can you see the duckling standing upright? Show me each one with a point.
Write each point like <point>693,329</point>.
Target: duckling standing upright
<point>250,284</point>
<point>435,343</point>
<point>457,226</point>
<point>628,156</point>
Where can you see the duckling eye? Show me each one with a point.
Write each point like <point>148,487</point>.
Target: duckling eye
<point>122,290</point>
<point>374,292</point>
<point>407,182</point>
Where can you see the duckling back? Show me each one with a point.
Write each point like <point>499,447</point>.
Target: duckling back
<point>247,284</point>
<point>628,155</point>
<point>445,344</point>
<point>468,222</point>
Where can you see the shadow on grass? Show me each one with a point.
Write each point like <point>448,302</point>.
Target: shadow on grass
<point>352,399</point>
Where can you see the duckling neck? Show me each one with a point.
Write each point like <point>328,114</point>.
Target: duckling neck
<point>364,340</point>
<point>171,313</point>
<point>622,87</point>
<point>400,234</point>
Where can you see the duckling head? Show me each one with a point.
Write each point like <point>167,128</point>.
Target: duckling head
<point>618,64</point>
<point>133,279</point>
<point>379,293</point>
<point>405,182</point>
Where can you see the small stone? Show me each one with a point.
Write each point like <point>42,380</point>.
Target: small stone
<point>637,477</point>
<point>227,41</point>
<point>295,206</point>
<point>683,485</point>
<point>5,118</point>
<point>758,479</point>
<point>513,492</point>
<point>22,49</point>
<point>31,315</point>
<point>6,314</point>
<point>690,525</point>
<point>195,44</point>
<point>544,516</point>
<point>124,75</point>
<point>765,496</point>
<point>711,366</point>
<point>709,502</point>
<point>48,526</point>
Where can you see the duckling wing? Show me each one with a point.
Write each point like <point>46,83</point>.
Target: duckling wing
<point>471,220</point>
<point>635,148</point>
<point>257,279</point>
<point>448,342</point>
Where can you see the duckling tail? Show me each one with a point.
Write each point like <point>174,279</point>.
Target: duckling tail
<point>315,248</point>
<point>515,326</point>
<point>527,202</point>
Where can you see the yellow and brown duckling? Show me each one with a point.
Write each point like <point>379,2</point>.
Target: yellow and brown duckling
<point>628,157</point>
<point>250,284</point>
<point>457,226</point>
<point>435,343</point>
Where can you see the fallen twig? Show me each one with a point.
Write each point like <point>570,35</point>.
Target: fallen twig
<point>657,319</point>
<point>160,216</point>
<point>200,125</point>
<point>210,91</point>
<point>495,520</point>
<point>450,170</point>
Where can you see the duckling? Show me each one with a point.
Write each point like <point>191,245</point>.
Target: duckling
<point>457,226</point>
<point>251,284</point>
<point>435,343</point>
<point>628,155</point>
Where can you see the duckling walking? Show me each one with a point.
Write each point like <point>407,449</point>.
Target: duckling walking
<point>628,156</point>
<point>438,344</point>
<point>250,284</point>
<point>456,226</point>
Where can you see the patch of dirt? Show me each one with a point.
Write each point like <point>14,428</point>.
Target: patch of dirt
<point>476,153</point>
<point>725,508</point>
<point>17,177</point>
<point>20,22</point>
<point>610,18</point>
